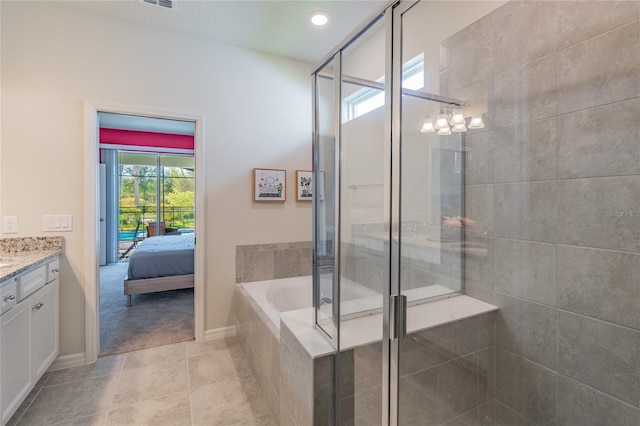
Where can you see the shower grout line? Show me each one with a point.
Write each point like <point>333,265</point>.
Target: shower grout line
<point>636,407</point>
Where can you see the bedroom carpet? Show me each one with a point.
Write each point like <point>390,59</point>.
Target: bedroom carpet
<point>155,319</point>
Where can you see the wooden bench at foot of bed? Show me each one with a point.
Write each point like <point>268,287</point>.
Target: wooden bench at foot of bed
<point>152,285</point>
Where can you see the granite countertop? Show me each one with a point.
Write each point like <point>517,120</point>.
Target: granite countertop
<point>20,254</point>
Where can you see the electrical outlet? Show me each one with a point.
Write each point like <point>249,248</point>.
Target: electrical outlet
<point>9,224</point>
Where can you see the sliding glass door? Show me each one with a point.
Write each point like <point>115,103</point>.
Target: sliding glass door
<point>156,196</point>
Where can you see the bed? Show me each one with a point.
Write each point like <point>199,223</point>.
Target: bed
<point>160,264</point>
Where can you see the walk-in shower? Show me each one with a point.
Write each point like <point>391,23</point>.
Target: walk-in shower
<point>477,175</point>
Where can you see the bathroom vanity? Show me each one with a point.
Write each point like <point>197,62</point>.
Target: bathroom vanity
<point>29,294</point>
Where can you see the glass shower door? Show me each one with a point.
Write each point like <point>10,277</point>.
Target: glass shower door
<point>362,228</point>
<point>324,203</point>
<point>444,372</point>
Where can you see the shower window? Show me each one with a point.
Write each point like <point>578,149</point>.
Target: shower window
<point>367,99</point>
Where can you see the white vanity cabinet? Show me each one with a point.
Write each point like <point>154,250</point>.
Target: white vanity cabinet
<point>29,336</point>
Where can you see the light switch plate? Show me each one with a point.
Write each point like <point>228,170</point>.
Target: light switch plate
<point>57,223</point>
<point>9,224</point>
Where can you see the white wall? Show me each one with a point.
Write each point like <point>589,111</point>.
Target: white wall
<point>257,111</point>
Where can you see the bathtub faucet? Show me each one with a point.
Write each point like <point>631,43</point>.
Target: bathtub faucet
<point>325,301</point>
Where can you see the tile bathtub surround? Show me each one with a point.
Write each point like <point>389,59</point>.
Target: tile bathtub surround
<point>259,339</point>
<point>258,262</point>
<point>181,384</point>
<point>558,215</point>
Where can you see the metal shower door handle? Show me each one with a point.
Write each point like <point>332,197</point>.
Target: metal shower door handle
<point>398,313</point>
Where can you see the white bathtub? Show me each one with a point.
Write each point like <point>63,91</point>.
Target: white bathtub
<point>292,294</point>
<point>281,295</point>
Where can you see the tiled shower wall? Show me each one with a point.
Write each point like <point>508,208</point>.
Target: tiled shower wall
<point>553,184</point>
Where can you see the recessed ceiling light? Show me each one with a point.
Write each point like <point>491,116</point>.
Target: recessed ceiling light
<point>319,18</point>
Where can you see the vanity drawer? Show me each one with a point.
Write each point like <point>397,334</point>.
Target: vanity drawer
<point>31,281</point>
<point>53,270</point>
<point>8,294</point>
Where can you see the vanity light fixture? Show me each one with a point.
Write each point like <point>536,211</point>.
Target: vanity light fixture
<point>451,117</point>
<point>319,18</point>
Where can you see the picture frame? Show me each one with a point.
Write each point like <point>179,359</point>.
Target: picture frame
<point>269,185</point>
<point>304,185</point>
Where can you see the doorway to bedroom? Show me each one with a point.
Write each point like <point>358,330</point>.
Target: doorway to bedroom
<point>147,232</point>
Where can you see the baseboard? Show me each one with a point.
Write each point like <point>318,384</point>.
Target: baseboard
<point>68,361</point>
<point>219,333</point>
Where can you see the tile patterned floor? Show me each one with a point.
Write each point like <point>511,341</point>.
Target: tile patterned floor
<point>185,383</point>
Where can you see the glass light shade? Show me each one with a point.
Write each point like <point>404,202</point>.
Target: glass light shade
<point>457,117</point>
<point>457,128</point>
<point>427,127</point>
<point>476,123</point>
<point>441,122</point>
<point>444,132</point>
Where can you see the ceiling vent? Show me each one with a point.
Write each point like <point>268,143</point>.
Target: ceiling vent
<point>167,4</point>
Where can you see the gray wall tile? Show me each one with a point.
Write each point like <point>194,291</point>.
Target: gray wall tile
<point>306,261</point>
<point>467,61</point>
<point>479,207</point>
<point>601,141</point>
<point>457,387</point>
<point>527,388</point>
<point>286,263</point>
<point>581,20</point>
<point>505,416</point>
<point>479,101</point>
<point>239,264</point>
<point>478,265</point>
<point>526,93</point>
<point>525,152</point>
<point>415,406</point>
<point>600,284</point>
<point>527,329</point>
<point>601,70</point>
<point>479,293</point>
<point>601,355</point>
<point>258,266</point>
<point>584,406</point>
<point>296,382</point>
<point>367,407</point>
<point>258,262</point>
<point>527,33</point>
<point>486,375</point>
<point>526,211</point>
<point>367,366</point>
<point>591,212</point>
<point>479,161</point>
<point>526,270</point>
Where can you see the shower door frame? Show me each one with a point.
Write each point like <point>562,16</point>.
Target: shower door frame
<point>394,319</point>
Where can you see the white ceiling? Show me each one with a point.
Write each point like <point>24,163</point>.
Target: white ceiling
<point>280,27</point>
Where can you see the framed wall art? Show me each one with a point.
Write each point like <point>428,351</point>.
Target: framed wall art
<point>269,185</point>
<point>304,185</point>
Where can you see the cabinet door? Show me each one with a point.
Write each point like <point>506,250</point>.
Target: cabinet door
<point>16,369</point>
<point>44,328</point>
